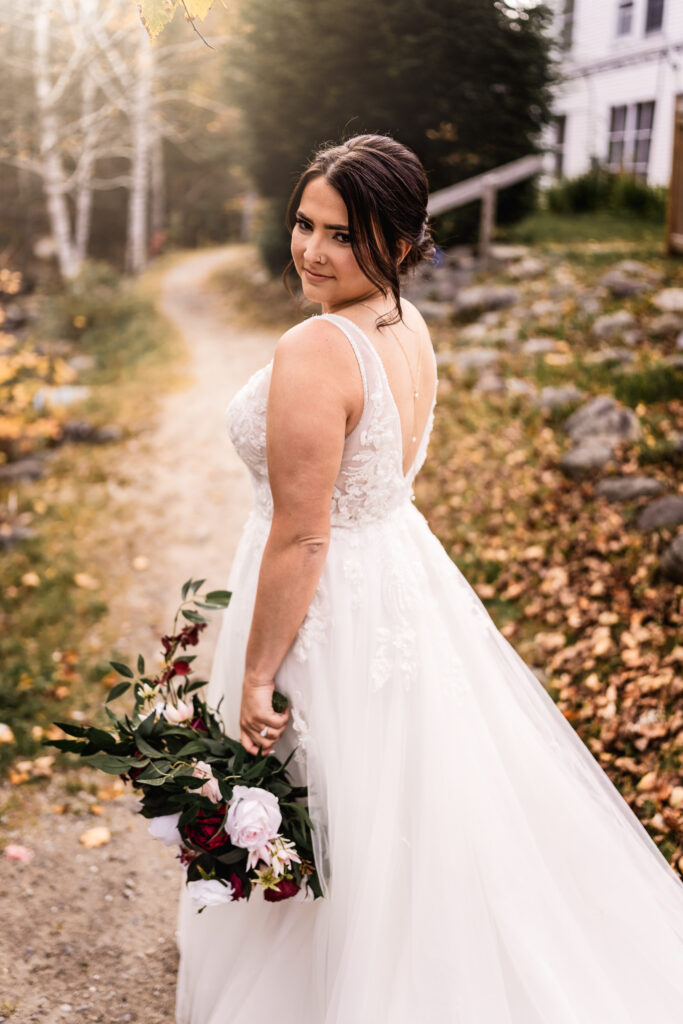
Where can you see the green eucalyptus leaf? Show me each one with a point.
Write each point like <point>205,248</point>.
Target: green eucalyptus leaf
<point>219,598</point>
<point>186,586</point>
<point>117,691</point>
<point>196,585</point>
<point>141,665</point>
<point>122,669</point>
<point>193,616</point>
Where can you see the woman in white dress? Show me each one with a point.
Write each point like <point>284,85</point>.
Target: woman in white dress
<point>478,865</point>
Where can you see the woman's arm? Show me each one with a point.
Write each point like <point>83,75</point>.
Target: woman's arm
<point>314,389</point>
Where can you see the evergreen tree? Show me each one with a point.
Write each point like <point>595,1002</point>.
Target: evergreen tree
<point>465,83</point>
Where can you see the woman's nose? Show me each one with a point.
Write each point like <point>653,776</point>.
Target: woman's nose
<point>314,251</point>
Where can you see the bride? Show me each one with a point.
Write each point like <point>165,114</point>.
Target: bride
<point>478,866</point>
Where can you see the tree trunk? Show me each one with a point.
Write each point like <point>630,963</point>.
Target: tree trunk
<point>158,186</point>
<point>141,101</point>
<point>53,176</point>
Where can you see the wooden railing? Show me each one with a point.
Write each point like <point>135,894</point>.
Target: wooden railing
<point>484,187</point>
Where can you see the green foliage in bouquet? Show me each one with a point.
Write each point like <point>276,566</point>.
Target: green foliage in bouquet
<point>236,818</point>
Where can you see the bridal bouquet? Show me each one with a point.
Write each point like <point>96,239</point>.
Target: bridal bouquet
<point>237,820</point>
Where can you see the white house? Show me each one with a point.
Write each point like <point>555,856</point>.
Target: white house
<point>622,71</point>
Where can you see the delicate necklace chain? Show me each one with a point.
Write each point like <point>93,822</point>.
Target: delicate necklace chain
<point>416,393</point>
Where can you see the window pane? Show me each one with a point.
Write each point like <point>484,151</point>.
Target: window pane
<point>642,152</point>
<point>655,15</point>
<point>644,116</point>
<point>618,119</point>
<point>616,153</point>
<point>625,19</point>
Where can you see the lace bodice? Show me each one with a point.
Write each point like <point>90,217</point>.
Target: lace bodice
<point>370,483</point>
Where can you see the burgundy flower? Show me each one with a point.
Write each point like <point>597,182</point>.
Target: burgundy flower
<point>286,887</point>
<point>238,887</point>
<point>199,724</point>
<point>206,831</point>
<point>181,667</point>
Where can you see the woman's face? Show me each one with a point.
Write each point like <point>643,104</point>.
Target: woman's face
<point>321,249</point>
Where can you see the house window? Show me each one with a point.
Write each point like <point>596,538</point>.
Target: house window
<point>630,136</point>
<point>654,16</point>
<point>625,17</point>
<point>560,135</point>
<point>567,25</point>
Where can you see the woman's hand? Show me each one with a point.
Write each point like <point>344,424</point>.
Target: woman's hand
<point>256,712</point>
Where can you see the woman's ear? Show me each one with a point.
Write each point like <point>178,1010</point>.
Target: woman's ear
<point>404,249</point>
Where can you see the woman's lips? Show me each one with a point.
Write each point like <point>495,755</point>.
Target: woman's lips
<point>316,277</point>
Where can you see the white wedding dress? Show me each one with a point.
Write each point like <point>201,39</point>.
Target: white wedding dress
<point>479,865</point>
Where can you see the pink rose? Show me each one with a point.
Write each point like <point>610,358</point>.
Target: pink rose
<point>210,788</point>
<point>254,817</point>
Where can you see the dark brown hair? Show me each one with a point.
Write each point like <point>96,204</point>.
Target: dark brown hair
<point>384,187</point>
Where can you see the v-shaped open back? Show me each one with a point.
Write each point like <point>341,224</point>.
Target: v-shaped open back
<point>419,431</point>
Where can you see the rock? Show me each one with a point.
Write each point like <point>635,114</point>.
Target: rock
<point>489,382</point>
<point>589,301</point>
<point>669,300</point>
<point>611,324</point>
<point>675,360</point>
<point>508,253</point>
<point>469,358</point>
<point>544,308</point>
<point>663,512</point>
<point>630,277</point>
<point>665,325</point>
<point>591,454</point>
<point>527,269</point>
<point>108,434</point>
<point>633,336</point>
<point>493,296</point>
<point>10,535</point>
<point>671,562</point>
<point>23,469</point>
<point>602,417</point>
<point>519,386</point>
<point>626,488</point>
<point>82,363</point>
<point>15,316</point>
<point>65,394</point>
<point>534,346</point>
<point>432,310</point>
<point>474,334</point>
<point>552,397</point>
<point>610,355</point>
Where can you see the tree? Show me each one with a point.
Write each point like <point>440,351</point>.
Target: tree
<point>465,83</point>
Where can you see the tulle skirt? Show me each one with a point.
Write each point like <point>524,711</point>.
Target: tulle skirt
<point>478,864</point>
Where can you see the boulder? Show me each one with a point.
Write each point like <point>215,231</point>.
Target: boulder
<point>536,346</point>
<point>602,417</point>
<point>553,397</point>
<point>519,386</point>
<point>23,469</point>
<point>503,253</point>
<point>527,269</point>
<point>591,454</point>
<point>669,300</point>
<point>490,382</point>
<point>435,311</point>
<point>469,358</point>
<point>665,325</point>
<point>671,562</point>
<point>627,488</point>
<point>611,324</point>
<point>483,297</point>
<point>630,277</point>
<point>661,513</point>
<point>610,355</point>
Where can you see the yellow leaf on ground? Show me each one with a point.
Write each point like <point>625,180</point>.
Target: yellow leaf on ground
<point>113,791</point>
<point>98,836</point>
<point>6,734</point>
<point>30,579</point>
<point>86,581</point>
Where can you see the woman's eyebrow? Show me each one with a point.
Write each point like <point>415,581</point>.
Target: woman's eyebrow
<point>330,227</point>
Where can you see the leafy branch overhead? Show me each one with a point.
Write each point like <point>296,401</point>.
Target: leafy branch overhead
<point>156,14</point>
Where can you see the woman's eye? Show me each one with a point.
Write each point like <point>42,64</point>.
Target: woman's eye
<point>302,223</point>
<point>343,237</point>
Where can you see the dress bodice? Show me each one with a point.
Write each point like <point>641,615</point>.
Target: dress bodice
<point>370,483</point>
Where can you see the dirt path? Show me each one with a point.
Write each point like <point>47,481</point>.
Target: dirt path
<point>88,934</point>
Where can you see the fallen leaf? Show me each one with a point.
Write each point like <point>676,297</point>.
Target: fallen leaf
<point>19,853</point>
<point>86,581</point>
<point>6,734</point>
<point>96,809</point>
<point>98,836</point>
<point>113,791</point>
<point>30,579</point>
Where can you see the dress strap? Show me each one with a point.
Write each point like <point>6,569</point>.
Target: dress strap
<point>348,328</point>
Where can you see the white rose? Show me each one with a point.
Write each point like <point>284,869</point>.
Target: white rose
<point>165,828</point>
<point>210,788</point>
<point>253,817</point>
<point>210,892</point>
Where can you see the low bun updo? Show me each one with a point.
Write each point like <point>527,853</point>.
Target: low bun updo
<point>384,187</point>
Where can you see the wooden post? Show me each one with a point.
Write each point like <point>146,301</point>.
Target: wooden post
<point>674,241</point>
<point>487,221</point>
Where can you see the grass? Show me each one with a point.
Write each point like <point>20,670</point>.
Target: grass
<point>608,230</point>
<point>49,604</point>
